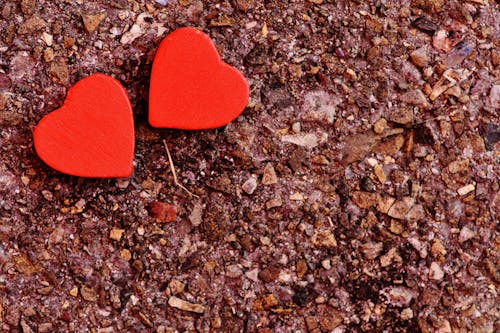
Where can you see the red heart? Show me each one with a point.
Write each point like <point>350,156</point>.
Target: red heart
<point>92,134</point>
<point>191,87</point>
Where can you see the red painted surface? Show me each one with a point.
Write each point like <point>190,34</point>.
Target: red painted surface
<point>191,87</point>
<point>92,134</point>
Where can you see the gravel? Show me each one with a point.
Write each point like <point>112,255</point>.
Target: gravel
<point>358,191</point>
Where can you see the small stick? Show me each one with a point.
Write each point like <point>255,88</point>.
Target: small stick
<point>172,168</point>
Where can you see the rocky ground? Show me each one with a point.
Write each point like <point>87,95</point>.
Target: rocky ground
<point>358,191</point>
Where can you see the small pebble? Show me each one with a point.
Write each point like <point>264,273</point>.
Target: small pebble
<point>420,57</point>
<point>380,125</point>
<point>250,185</point>
<point>464,190</point>
<point>327,264</point>
<point>269,176</point>
<point>116,234</point>
<point>296,127</point>
<point>466,234</point>
<point>91,21</point>
<point>163,212</point>
<point>406,314</point>
<point>435,272</point>
<point>180,304</point>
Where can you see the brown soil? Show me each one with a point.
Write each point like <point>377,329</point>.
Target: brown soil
<point>358,191</point>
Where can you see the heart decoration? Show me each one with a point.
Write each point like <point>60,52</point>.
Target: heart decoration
<point>92,133</point>
<point>191,88</point>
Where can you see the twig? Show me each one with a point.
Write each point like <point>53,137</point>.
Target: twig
<point>172,168</point>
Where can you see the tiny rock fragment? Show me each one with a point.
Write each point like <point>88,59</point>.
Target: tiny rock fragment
<point>403,116</point>
<point>274,202</point>
<point>437,248</point>
<point>420,57</point>
<point>306,140</point>
<point>324,238</point>
<point>350,74</point>
<point>435,272</point>
<point>24,265</point>
<point>396,227</point>
<point>425,24</point>
<point>495,96</point>
<point>398,296</point>
<point>74,292</point>
<point>464,190</point>
<point>420,246</point>
<point>415,97</point>
<point>145,319</point>
<point>441,42</point>
<point>234,271</point>
<point>183,305</point>
<point>253,275</point>
<point>401,207</point>
<point>384,203</point>
<point>326,264</point>
<point>296,196</point>
<point>91,21</point>
<point>48,54</point>
<point>406,314</point>
<point>458,166</point>
<point>250,185</point>
<point>269,301</point>
<point>466,234</point>
<point>416,213</point>
<point>88,294</point>
<point>380,173</point>
<point>47,38</point>
<point>390,257</point>
<point>358,146</point>
<point>457,54</point>
<point>116,234</point>
<point>59,71</point>
<point>320,159</point>
<point>125,254</point>
<point>380,125</point>
<point>371,250</point>
<point>32,24</point>
<point>45,290</point>
<point>176,287</point>
<point>131,35</point>
<point>364,199</point>
<point>269,176</point>
<point>163,212</point>
<point>196,215</point>
<point>329,318</point>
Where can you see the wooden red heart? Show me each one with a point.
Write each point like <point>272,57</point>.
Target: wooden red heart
<point>191,87</point>
<point>92,134</point>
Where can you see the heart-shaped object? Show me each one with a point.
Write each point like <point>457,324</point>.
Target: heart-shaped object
<point>191,87</point>
<point>92,134</point>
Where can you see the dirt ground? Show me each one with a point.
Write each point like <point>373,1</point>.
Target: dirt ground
<point>357,192</point>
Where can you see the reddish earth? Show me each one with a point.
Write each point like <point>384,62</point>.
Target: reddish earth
<point>357,192</point>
